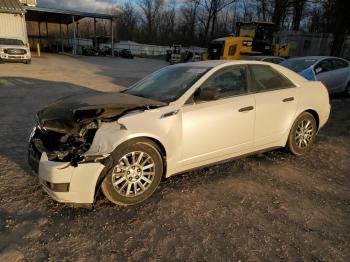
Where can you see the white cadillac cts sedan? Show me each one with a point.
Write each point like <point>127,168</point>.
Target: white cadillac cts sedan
<point>179,118</point>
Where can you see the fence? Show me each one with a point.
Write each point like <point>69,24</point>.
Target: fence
<point>148,50</point>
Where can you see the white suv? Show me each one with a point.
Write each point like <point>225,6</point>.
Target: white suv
<point>14,50</point>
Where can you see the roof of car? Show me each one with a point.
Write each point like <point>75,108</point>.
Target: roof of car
<point>313,57</point>
<point>207,63</point>
<point>214,63</point>
<point>259,57</point>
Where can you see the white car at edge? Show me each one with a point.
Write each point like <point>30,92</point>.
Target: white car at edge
<point>179,118</point>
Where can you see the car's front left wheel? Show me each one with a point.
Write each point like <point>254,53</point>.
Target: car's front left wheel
<point>136,173</point>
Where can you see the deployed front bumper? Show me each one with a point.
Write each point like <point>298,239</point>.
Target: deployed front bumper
<point>66,183</point>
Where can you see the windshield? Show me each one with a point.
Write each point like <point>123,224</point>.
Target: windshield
<point>298,65</point>
<point>168,84</point>
<point>247,30</point>
<point>8,41</point>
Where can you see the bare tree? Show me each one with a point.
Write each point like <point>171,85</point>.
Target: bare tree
<point>341,25</point>
<point>298,8</point>
<point>150,10</point>
<point>262,6</point>
<point>188,21</point>
<point>279,12</point>
<point>211,9</point>
<point>127,22</point>
<point>167,24</point>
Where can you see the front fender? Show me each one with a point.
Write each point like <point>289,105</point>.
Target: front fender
<point>110,135</point>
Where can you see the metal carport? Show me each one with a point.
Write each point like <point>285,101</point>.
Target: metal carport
<point>66,17</point>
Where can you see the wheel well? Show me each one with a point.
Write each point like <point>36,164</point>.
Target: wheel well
<point>315,115</point>
<point>107,160</point>
<point>162,151</point>
<point>159,144</point>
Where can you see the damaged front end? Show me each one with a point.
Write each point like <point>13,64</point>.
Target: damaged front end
<point>65,130</point>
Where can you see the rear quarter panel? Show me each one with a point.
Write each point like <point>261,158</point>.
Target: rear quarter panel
<point>314,96</point>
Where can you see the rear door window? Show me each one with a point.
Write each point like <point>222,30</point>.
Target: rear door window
<point>339,63</point>
<point>265,78</point>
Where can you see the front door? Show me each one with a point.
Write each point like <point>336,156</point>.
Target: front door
<point>220,126</point>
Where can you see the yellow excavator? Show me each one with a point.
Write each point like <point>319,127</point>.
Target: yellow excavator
<point>252,38</point>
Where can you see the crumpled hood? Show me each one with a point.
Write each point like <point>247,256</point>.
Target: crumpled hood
<point>66,113</point>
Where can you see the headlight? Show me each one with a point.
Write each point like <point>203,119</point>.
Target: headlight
<point>1,50</point>
<point>247,43</point>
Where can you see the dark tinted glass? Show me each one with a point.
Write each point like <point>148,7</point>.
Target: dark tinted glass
<point>266,79</point>
<point>8,41</point>
<point>338,63</point>
<point>229,82</point>
<point>326,66</point>
<point>299,64</point>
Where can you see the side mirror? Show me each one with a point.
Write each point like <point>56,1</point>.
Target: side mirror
<point>206,94</point>
<point>318,70</point>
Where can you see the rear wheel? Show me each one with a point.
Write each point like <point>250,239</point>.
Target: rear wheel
<point>302,134</point>
<point>136,173</point>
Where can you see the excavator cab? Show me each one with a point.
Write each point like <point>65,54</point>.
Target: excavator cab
<point>261,34</point>
<point>252,38</point>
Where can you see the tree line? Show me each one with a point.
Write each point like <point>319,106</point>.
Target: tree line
<point>196,22</point>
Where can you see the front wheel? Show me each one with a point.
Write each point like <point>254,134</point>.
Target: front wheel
<point>302,135</point>
<point>136,173</point>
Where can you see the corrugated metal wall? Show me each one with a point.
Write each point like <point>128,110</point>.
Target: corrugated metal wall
<point>13,26</point>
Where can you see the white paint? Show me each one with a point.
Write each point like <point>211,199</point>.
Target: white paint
<point>201,134</point>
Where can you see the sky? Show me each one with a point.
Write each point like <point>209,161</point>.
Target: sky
<point>99,6</point>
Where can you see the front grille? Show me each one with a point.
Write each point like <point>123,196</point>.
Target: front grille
<point>15,51</point>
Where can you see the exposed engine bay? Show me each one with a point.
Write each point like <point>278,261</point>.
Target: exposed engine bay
<point>65,129</point>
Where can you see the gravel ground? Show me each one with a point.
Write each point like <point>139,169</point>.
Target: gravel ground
<point>272,206</point>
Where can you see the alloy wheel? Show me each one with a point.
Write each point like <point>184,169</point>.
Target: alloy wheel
<point>133,174</point>
<point>304,133</point>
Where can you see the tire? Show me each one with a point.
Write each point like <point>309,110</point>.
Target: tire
<point>302,134</point>
<point>136,173</point>
<point>27,62</point>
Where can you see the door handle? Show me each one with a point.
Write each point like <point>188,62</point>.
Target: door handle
<point>288,99</point>
<point>245,109</point>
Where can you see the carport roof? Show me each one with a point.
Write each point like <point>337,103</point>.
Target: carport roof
<point>59,16</point>
<point>11,6</point>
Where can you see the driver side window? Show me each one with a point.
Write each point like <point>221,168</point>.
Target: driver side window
<point>227,82</point>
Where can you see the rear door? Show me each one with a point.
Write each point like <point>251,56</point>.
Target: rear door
<point>341,73</point>
<point>326,72</point>
<point>276,99</point>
